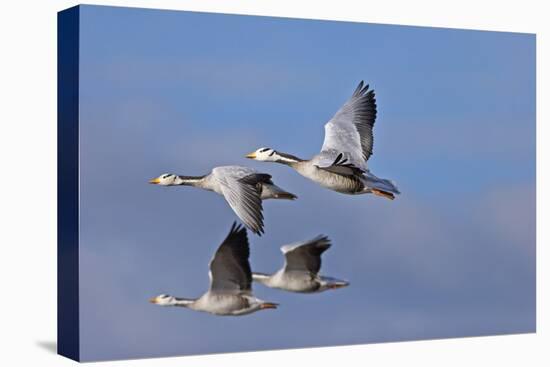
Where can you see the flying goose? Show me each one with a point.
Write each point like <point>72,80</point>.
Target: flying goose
<point>342,163</point>
<point>230,290</point>
<point>301,270</point>
<point>242,187</point>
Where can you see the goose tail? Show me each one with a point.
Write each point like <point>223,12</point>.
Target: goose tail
<point>381,186</point>
<point>275,192</point>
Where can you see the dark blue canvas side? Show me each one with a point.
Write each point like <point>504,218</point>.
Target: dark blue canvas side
<point>67,183</point>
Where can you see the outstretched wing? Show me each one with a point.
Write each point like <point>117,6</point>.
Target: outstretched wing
<point>244,196</point>
<point>229,268</point>
<point>340,163</point>
<point>349,132</point>
<point>305,256</point>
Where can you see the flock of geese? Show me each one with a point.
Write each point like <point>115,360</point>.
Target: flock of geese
<point>341,166</point>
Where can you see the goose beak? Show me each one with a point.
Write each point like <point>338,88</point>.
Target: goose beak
<point>338,285</point>
<point>251,155</point>
<point>154,181</point>
<point>267,305</point>
<point>153,299</point>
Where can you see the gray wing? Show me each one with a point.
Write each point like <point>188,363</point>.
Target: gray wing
<point>305,256</point>
<point>244,196</point>
<point>229,268</point>
<point>237,171</point>
<point>349,132</point>
<point>340,163</point>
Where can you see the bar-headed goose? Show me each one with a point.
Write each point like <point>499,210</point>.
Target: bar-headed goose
<point>342,163</point>
<point>242,187</point>
<point>301,270</point>
<point>230,290</point>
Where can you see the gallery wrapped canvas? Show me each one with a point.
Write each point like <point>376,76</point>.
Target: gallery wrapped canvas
<point>233,183</point>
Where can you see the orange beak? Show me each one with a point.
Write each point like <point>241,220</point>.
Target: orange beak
<point>338,285</point>
<point>153,300</point>
<point>155,181</point>
<point>251,155</point>
<point>267,305</point>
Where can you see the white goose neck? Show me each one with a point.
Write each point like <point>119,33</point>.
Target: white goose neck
<point>183,302</point>
<point>188,180</point>
<point>285,158</point>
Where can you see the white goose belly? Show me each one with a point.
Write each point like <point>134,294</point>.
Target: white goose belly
<point>301,282</point>
<point>222,304</point>
<point>329,180</point>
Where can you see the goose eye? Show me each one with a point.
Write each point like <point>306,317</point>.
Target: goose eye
<point>264,150</point>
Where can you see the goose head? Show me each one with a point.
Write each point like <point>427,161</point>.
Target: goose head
<point>264,154</point>
<point>163,300</point>
<point>166,179</point>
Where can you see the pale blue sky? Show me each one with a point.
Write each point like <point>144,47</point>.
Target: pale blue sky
<point>182,92</point>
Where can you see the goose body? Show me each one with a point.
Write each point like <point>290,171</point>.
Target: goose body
<point>301,270</point>
<point>230,292</point>
<point>332,181</point>
<point>342,163</point>
<point>243,188</point>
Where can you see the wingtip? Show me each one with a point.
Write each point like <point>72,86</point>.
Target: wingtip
<point>237,229</point>
<point>322,242</point>
<point>258,231</point>
<point>323,238</point>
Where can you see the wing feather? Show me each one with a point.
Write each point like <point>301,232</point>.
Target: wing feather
<point>229,268</point>
<point>350,130</point>
<point>305,256</point>
<point>244,196</point>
